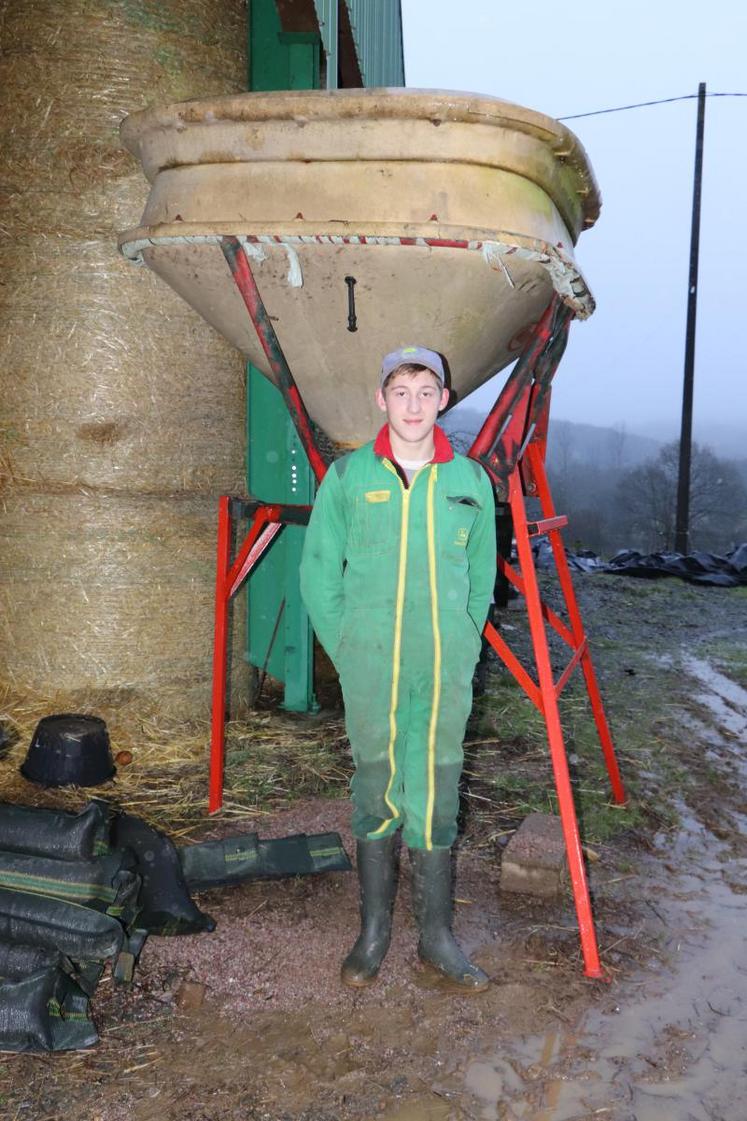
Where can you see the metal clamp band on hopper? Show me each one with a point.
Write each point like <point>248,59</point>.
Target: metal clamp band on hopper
<point>455,214</point>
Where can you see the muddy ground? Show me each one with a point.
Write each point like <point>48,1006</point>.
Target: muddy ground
<point>250,1023</point>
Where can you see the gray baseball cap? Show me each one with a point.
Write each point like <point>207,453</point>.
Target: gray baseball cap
<point>416,356</point>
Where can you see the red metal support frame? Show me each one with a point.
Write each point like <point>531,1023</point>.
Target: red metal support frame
<point>266,521</point>
<point>520,406</point>
<point>547,702</point>
<point>238,263</point>
<point>220,658</point>
<point>580,642</point>
<point>511,447</point>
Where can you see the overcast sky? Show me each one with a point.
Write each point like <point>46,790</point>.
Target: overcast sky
<point>625,364</point>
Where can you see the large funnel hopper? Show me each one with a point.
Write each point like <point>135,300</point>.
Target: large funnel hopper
<point>456,215</point>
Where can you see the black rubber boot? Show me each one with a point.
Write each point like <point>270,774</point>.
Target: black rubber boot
<point>431,899</point>
<point>377,880</point>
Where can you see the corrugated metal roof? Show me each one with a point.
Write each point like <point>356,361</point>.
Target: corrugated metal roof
<point>377,33</point>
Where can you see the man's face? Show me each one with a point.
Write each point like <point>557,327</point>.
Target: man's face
<point>412,403</point>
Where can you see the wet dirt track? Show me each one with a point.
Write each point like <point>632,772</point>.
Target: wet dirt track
<point>274,1037</point>
<point>674,1044</point>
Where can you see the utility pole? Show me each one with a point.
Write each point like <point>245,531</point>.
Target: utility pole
<point>682,524</point>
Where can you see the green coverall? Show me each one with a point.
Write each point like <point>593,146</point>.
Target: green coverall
<point>397,582</point>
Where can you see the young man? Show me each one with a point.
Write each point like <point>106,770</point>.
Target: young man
<point>397,574</point>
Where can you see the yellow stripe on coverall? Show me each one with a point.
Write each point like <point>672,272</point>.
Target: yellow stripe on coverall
<point>433,727</point>
<point>397,649</point>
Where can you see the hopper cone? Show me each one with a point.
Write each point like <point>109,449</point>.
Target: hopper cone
<point>454,214</point>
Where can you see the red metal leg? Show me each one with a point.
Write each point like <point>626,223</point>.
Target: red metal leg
<point>238,262</point>
<point>220,655</point>
<point>522,405</point>
<point>579,636</point>
<point>512,663</point>
<point>266,521</point>
<point>592,965</point>
<point>520,377</point>
<point>228,580</point>
<point>510,446</point>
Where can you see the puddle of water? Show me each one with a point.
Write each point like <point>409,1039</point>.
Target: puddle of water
<point>492,1081</point>
<point>421,1109</point>
<point>674,1049</point>
<point>722,697</point>
<point>685,1039</point>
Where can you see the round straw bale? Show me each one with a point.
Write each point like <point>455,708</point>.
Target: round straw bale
<point>118,384</point>
<point>115,594</point>
<point>122,412</point>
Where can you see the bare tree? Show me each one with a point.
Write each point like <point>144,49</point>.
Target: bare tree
<point>461,440</point>
<point>718,500</point>
<point>616,442</point>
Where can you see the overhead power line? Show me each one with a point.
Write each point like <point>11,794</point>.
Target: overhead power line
<point>646,104</point>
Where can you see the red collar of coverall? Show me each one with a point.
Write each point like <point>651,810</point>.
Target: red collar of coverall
<point>443,453</point>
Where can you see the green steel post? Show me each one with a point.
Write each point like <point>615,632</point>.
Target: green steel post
<point>280,636</point>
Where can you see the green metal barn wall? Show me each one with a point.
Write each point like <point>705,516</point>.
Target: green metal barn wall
<point>377,33</point>
<point>280,640</point>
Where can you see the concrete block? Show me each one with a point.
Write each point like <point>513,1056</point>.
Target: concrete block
<point>534,860</point>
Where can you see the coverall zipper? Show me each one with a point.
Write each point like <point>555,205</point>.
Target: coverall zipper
<point>397,650</point>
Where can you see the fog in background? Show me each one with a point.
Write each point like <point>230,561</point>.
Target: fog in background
<point>624,366</point>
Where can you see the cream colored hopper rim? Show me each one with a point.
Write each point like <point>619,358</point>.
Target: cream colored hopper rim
<point>160,137</point>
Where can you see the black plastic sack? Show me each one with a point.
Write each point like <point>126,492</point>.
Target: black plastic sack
<point>79,932</point>
<point>327,853</point>
<point>17,961</point>
<point>166,906</point>
<point>109,884</point>
<point>697,568</point>
<point>54,833</point>
<point>737,558</point>
<point>44,1011</point>
<point>236,859</point>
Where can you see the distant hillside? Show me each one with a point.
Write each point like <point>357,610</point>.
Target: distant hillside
<point>604,447</point>
<point>569,442</point>
<point>726,440</point>
<point>587,464</point>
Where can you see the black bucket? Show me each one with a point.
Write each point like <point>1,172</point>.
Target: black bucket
<point>69,750</point>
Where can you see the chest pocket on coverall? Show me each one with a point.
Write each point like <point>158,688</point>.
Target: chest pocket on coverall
<point>373,529</point>
<point>458,518</point>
